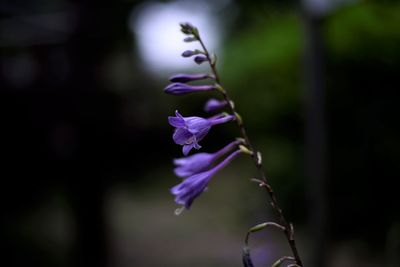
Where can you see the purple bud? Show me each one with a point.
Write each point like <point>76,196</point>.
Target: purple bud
<point>184,78</point>
<point>189,39</point>
<point>214,105</point>
<point>189,53</point>
<point>200,59</point>
<point>182,88</point>
<point>221,118</point>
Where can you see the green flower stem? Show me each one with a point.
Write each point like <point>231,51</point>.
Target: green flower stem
<point>257,162</point>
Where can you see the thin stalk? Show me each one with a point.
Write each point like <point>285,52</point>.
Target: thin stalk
<point>257,162</point>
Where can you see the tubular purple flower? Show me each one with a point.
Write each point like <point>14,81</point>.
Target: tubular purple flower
<point>191,130</point>
<point>219,119</point>
<point>200,162</point>
<point>190,188</point>
<point>184,78</point>
<point>214,105</point>
<point>182,88</point>
<point>200,59</point>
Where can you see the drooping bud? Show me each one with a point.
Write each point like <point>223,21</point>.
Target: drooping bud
<point>200,59</point>
<point>214,105</point>
<point>222,118</point>
<point>189,53</point>
<point>184,78</point>
<point>182,88</point>
<point>189,39</point>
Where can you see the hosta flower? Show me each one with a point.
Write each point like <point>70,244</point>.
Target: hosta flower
<point>191,130</point>
<point>200,162</point>
<point>184,78</point>
<point>182,88</point>
<point>190,188</point>
<point>214,105</point>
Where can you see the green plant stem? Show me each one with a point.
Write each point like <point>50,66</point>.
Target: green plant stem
<point>264,179</point>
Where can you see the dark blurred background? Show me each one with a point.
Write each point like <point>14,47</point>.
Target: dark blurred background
<point>87,151</point>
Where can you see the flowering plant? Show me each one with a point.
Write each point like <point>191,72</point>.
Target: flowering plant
<point>198,169</point>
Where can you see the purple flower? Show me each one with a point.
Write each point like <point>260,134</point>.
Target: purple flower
<point>182,88</point>
<point>200,162</point>
<point>214,105</point>
<point>191,130</point>
<point>190,188</point>
<point>200,59</point>
<point>184,78</point>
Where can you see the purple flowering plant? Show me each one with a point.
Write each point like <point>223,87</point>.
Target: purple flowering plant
<point>197,170</point>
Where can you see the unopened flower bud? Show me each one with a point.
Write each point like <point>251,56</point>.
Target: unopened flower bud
<point>189,39</point>
<point>189,53</point>
<point>215,105</point>
<point>182,88</point>
<point>184,78</point>
<point>187,28</point>
<point>200,59</point>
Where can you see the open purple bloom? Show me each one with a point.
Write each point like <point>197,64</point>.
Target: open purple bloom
<point>191,130</point>
<point>200,162</point>
<point>182,88</point>
<point>184,78</point>
<point>190,188</point>
<point>214,105</point>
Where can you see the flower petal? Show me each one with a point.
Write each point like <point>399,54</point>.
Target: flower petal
<point>181,136</point>
<point>176,122</point>
<point>178,115</point>
<point>197,124</point>
<point>190,188</point>
<point>186,148</point>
